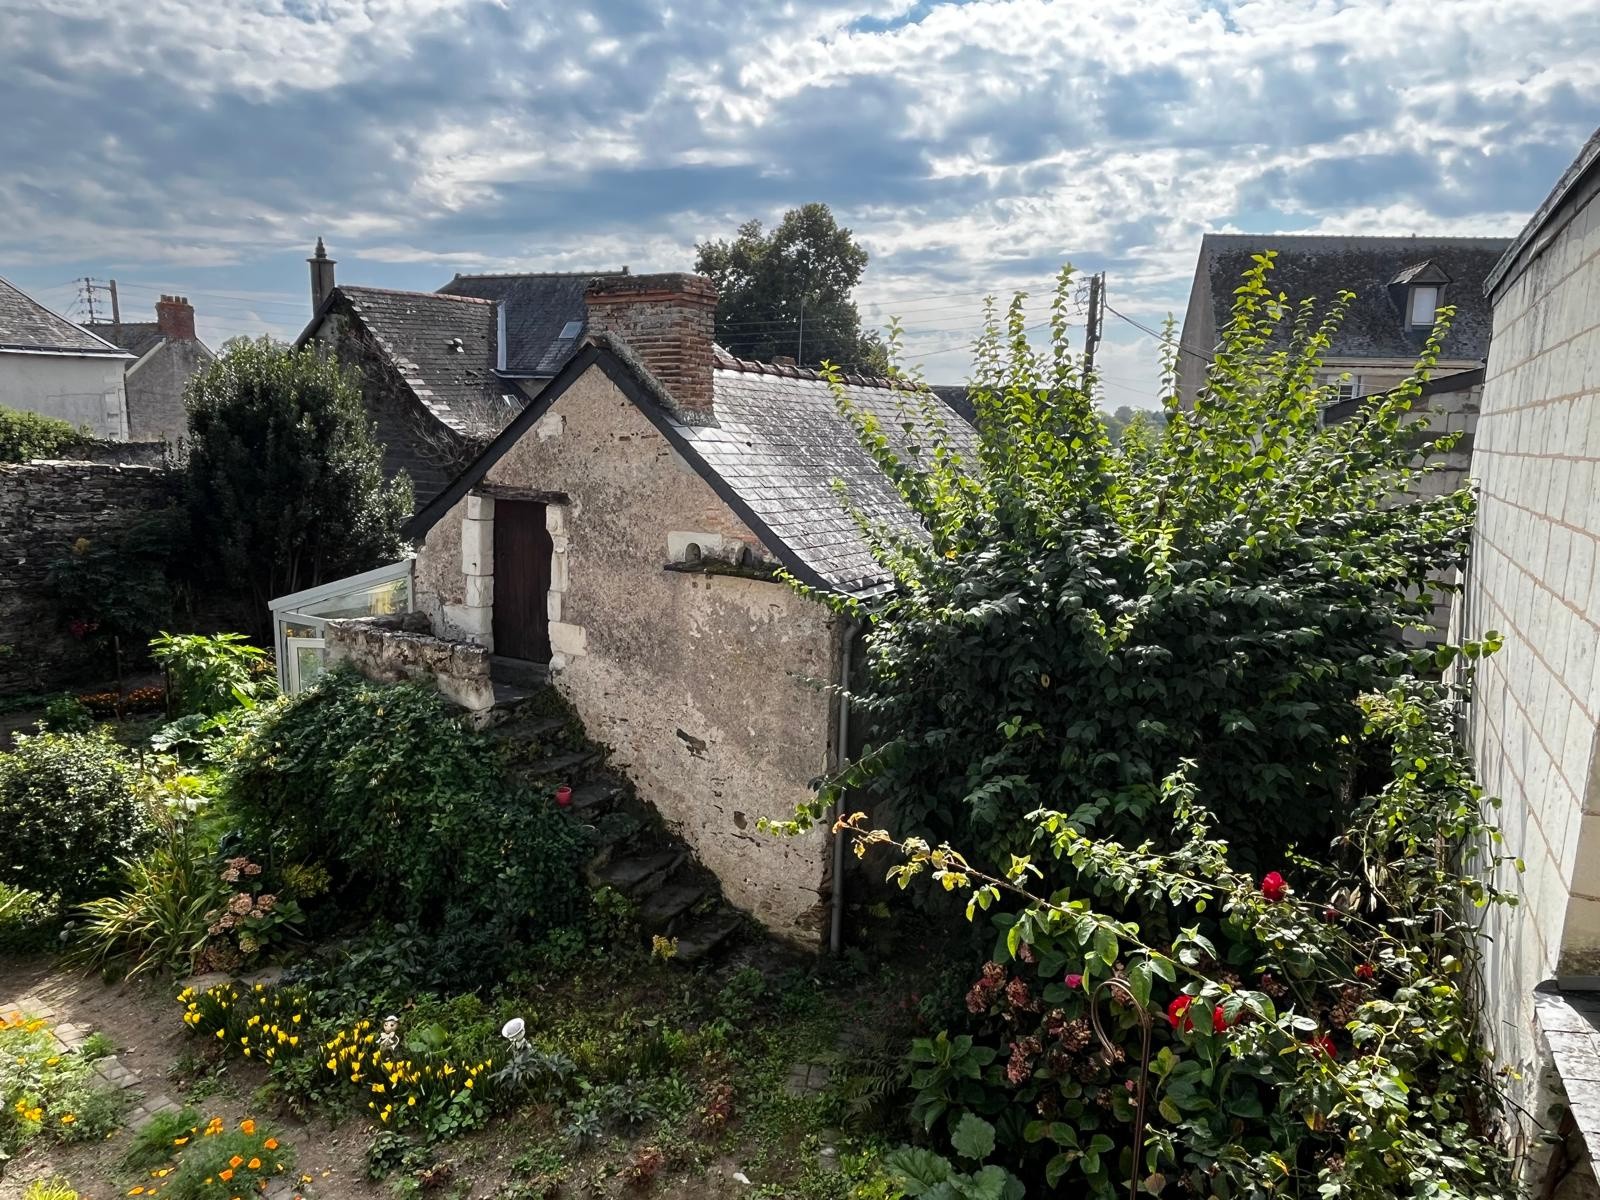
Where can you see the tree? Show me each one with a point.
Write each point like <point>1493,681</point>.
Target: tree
<point>1113,683</point>
<point>284,481</point>
<point>788,292</point>
<point>1083,615</point>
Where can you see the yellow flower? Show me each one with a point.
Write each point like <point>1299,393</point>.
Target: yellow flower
<point>254,1164</point>
<point>377,1087</point>
<point>411,1101</point>
<point>220,1032</point>
<point>138,1191</point>
<point>68,1118</point>
<point>50,1062</point>
<point>247,1126</point>
<point>271,1143</point>
<point>469,1082</point>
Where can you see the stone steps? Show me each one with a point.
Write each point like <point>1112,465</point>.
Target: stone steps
<point>702,938</point>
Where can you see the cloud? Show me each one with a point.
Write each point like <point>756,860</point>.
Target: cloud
<point>972,146</point>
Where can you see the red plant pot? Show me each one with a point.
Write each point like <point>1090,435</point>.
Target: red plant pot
<point>563,797</point>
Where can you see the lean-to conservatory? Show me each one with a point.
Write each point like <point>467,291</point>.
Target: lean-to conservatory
<point>298,620</point>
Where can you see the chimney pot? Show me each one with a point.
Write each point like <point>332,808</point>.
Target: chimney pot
<point>175,318</point>
<point>322,282</point>
<point>668,322</point>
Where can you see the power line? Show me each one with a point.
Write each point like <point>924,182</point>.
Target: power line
<point>1160,337</point>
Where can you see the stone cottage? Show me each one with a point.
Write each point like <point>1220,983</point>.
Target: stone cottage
<point>166,355</point>
<point>627,529</point>
<point>442,372</point>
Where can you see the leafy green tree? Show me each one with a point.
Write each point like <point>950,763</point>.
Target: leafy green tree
<point>285,483</point>
<point>1114,682</point>
<point>788,292</point>
<point>1080,616</point>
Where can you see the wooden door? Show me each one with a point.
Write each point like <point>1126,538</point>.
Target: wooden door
<point>521,581</point>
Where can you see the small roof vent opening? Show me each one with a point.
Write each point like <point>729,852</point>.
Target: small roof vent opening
<point>571,329</point>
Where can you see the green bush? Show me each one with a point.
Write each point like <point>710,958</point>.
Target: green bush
<point>68,806</point>
<point>405,805</point>
<point>213,1161</point>
<point>211,675</point>
<point>67,714</point>
<point>29,435</point>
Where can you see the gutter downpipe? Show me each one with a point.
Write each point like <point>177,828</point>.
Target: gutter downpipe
<point>841,752</point>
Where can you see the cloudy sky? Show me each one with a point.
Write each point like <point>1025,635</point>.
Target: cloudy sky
<point>200,146</point>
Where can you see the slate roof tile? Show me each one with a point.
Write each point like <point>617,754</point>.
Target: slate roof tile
<point>1374,325</point>
<point>138,338</point>
<point>540,307</point>
<point>25,324</point>
<point>420,331</point>
<point>780,443</point>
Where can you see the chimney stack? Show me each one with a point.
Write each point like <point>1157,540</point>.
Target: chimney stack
<point>321,276</point>
<point>175,318</point>
<point>668,322</point>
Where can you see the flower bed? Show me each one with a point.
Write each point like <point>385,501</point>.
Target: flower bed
<point>49,1091</point>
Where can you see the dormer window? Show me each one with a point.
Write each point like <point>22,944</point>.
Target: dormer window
<point>1424,304</point>
<point>1418,291</point>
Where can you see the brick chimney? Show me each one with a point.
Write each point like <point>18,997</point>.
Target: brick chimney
<point>175,318</point>
<point>668,323</point>
<point>321,275</point>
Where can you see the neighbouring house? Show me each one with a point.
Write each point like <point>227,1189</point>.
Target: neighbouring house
<point>166,355</point>
<point>1533,721</point>
<point>1399,283</point>
<point>442,372</point>
<point>626,531</point>
<point>49,365</point>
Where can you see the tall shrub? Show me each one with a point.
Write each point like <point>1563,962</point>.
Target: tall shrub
<point>1080,616</point>
<point>285,482</point>
<point>69,811</point>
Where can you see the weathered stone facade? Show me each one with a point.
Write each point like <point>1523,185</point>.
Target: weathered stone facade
<point>703,684</point>
<point>155,386</point>
<point>393,649</point>
<point>44,508</point>
<point>1534,721</point>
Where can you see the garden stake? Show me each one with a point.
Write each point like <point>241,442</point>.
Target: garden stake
<point>1121,987</point>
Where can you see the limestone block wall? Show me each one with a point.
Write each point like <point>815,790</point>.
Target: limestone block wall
<point>394,649</point>
<point>702,684</point>
<point>1535,710</point>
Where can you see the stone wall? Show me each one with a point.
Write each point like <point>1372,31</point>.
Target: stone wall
<point>393,649</point>
<point>1535,711</point>
<point>44,508</point>
<point>702,684</point>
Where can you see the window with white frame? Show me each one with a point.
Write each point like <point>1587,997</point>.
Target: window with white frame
<point>1341,387</point>
<point>1424,306</point>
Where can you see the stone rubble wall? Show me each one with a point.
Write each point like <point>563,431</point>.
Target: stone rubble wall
<point>45,507</point>
<point>398,648</point>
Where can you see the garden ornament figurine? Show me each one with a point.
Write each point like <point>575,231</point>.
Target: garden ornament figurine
<point>389,1040</point>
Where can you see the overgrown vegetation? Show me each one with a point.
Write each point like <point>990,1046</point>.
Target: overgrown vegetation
<point>284,481</point>
<point>1146,708</point>
<point>30,435</point>
<point>48,1091</point>
<point>387,788</point>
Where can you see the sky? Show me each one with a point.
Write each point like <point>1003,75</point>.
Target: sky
<point>202,147</point>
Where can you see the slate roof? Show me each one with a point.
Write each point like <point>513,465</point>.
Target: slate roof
<point>539,308</point>
<point>780,442</point>
<point>138,338</point>
<point>418,332</point>
<point>25,324</point>
<point>1375,323</point>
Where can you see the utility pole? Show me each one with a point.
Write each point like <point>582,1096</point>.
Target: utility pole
<point>800,339</point>
<point>90,287</point>
<point>1096,320</point>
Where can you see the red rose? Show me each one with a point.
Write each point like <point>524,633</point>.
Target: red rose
<point>1177,1009</point>
<point>1074,981</point>
<point>1325,1044</point>
<point>1273,886</point>
<point>1365,971</point>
